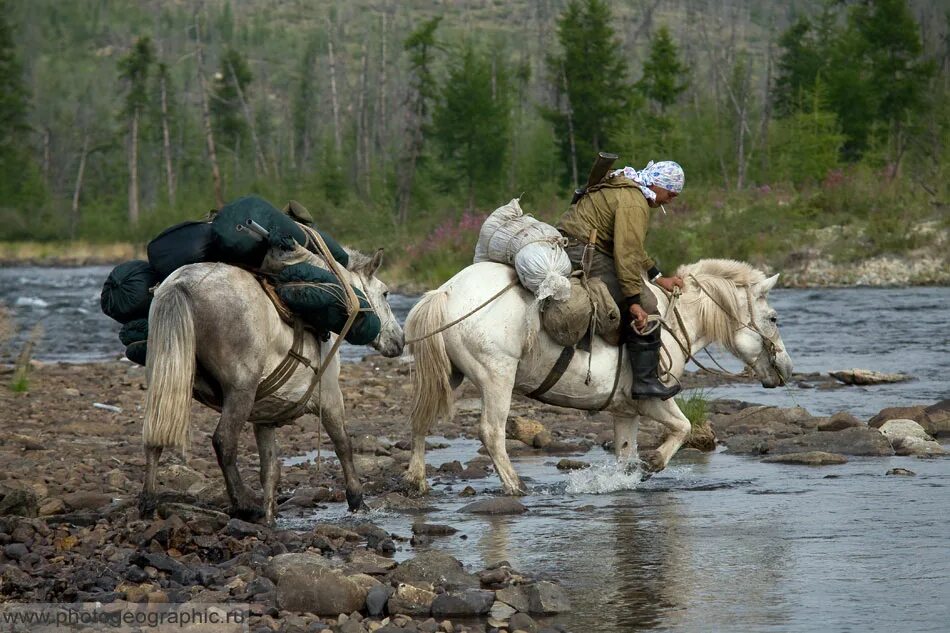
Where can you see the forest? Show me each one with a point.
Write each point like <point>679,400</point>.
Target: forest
<point>800,125</point>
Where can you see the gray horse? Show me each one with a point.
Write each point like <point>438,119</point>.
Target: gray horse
<point>215,335</point>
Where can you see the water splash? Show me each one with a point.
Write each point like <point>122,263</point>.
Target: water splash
<point>605,477</point>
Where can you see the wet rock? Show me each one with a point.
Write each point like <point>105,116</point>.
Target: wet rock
<point>308,497</point>
<point>432,529</point>
<point>901,471</point>
<point>866,377</point>
<point>702,437</point>
<point>523,429</point>
<point>376,599</point>
<point>453,467</point>
<point>513,447</point>
<point>763,420</point>
<point>572,464</point>
<point>16,502</point>
<point>180,478</point>
<point>436,568</point>
<point>516,596</point>
<point>749,444</point>
<point>523,622</point>
<point>307,583</point>
<point>496,505</point>
<point>468,603</point>
<point>501,611</point>
<point>851,441</point>
<point>839,422</point>
<point>811,458</point>
<point>194,514</point>
<point>542,439</point>
<point>937,422</point>
<point>909,438</point>
<point>495,578</point>
<point>411,600</point>
<point>370,563</point>
<point>467,491</point>
<point>546,598</point>
<point>242,529</point>
<point>396,502</point>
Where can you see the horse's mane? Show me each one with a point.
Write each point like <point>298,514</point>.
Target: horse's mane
<point>719,277</point>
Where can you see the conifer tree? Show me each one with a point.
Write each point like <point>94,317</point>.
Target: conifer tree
<point>664,75</point>
<point>134,69</point>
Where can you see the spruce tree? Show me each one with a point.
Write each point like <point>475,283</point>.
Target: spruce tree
<point>134,69</point>
<point>230,83</point>
<point>472,120</point>
<point>664,75</point>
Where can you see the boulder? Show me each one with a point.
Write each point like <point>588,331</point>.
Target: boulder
<point>501,611</point>
<point>916,413</point>
<point>395,502</point>
<point>851,441</point>
<point>746,444</point>
<point>307,583</point>
<point>916,446</point>
<point>901,472</point>
<point>411,600</point>
<point>811,458</point>
<point>377,598</point>
<point>515,596</point>
<point>16,502</point>
<point>866,377</point>
<point>839,422</point>
<point>572,464</point>
<point>938,419</point>
<point>180,478</point>
<point>523,622</point>
<point>909,438</point>
<point>436,568</point>
<point>523,429</point>
<point>86,500</point>
<point>763,420</point>
<point>468,603</point>
<point>368,562</point>
<point>546,598</point>
<point>433,529</point>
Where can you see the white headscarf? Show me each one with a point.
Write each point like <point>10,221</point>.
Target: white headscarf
<point>666,173</point>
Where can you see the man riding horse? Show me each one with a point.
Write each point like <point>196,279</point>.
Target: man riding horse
<point>618,209</point>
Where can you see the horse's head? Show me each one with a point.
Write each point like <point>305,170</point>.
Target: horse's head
<point>759,343</point>
<point>391,340</point>
<point>735,312</point>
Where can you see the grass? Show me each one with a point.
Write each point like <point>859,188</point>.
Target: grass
<point>695,406</point>
<point>22,366</point>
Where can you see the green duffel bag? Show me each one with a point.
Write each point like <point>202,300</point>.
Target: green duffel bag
<point>240,246</point>
<point>125,294</point>
<point>136,352</point>
<point>134,331</point>
<point>315,295</point>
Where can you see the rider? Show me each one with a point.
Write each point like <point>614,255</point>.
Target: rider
<point>618,207</point>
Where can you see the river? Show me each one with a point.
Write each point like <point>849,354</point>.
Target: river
<point>717,542</point>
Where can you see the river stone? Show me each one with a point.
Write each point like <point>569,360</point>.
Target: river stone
<point>468,603</point>
<point>396,502</point>
<point>749,444</point>
<point>811,458</point>
<point>572,464</point>
<point>901,471</point>
<point>866,377</point>
<point>937,422</point>
<point>497,505</point>
<point>306,583</point>
<point>523,429</point>
<point>179,477</point>
<point>546,598</point>
<point>190,513</point>
<point>86,500</point>
<point>411,600</point>
<point>15,502</point>
<point>369,562</point>
<point>516,596</point>
<point>501,611</point>
<point>839,422</point>
<point>915,413</point>
<point>852,441</point>
<point>766,420</point>
<point>377,598</point>
<point>433,529</point>
<point>436,568</point>
<point>702,437</point>
<point>916,446</point>
<point>523,622</point>
<point>897,430</point>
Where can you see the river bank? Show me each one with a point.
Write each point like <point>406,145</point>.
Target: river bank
<point>70,457</point>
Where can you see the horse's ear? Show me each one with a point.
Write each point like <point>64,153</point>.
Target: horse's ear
<point>375,263</point>
<point>763,287</point>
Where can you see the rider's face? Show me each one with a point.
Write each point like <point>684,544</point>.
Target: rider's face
<point>663,196</point>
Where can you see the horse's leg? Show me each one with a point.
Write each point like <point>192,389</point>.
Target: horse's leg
<point>332,412</point>
<point>667,413</point>
<point>416,473</point>
<point>235,411</point>
<point>266,436</point>
<point>147,500</point>
<point>496,387</point>
<point>626,427</point>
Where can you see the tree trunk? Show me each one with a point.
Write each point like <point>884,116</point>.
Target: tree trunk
<point>77,190</point>
<point>167,145</point>
<point>259,161</point>
<point>362,137</point>
<point>47,142</point>
<point>570,128</point>
<point>209,132</point>
<point>334,101</point>
<point>134,169</point>
<point>381,109</point>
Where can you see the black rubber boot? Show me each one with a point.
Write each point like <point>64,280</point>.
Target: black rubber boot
<point>644,354</point>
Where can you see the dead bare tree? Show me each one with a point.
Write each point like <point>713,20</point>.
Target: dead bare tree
<point>206,114</point>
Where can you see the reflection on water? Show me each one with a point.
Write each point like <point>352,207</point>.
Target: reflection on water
<point>719,543</point>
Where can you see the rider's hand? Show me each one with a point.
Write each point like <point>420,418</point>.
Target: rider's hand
<point>638,316</point>
<point>668,283</point>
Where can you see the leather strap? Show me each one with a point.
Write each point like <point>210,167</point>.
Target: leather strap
<point>613,389</point>
<point>560,366</point>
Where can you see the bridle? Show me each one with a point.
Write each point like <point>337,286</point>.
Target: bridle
<point>769,346</point>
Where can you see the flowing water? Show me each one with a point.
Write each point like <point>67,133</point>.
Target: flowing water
<point>717,542</point>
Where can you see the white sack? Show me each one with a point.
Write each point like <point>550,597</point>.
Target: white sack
<point>510,237</point>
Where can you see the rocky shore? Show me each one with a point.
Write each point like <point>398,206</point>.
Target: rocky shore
<point>71,465</point>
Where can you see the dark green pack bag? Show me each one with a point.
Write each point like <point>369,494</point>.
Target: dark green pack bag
<point>315,295</point>
<point>240,246</point>
<point>134,331</point>
<point>136,352</point>
<point>125,296</point>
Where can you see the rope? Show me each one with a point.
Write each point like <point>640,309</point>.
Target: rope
<point>462,318</point>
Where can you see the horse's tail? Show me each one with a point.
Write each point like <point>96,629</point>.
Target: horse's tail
<point>432,393</point>
<point>170,369</point>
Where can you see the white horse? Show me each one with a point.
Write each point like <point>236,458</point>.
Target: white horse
<point>502,349</point>
<point>214,333</point>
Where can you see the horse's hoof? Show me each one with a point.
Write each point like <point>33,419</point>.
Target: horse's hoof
<point>652,461</point>
<point>355,501</point>
<point>147,506</point>
<point>251,515</point>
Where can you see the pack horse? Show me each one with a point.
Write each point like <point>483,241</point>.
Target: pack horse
<point>502,350</point>
<point>214,334</point>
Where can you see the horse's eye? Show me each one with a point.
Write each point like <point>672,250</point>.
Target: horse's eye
<point>386,294</point>
<point>773,318</point>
